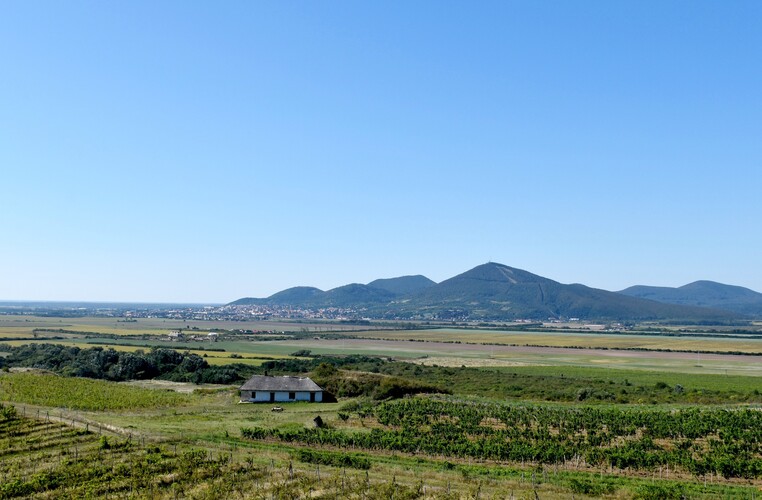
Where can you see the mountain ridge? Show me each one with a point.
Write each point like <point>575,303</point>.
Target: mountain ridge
<point>703,293</point>
<point>490,291</point>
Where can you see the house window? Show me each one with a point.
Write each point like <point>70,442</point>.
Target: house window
<point>291,395</point>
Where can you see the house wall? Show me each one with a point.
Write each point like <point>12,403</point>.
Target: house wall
<point>280,396</point>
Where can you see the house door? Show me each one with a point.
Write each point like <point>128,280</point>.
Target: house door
<point>312,397</point>
<point>272,397</point>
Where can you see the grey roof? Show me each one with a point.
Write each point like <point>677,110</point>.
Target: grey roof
<point>290,384</point>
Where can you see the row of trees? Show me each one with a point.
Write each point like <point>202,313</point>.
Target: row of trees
<point>109,364</point>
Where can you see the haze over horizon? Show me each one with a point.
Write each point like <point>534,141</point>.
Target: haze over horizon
<point>200,152</point>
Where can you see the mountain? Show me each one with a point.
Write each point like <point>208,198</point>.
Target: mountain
<point>488,292</point>
<point>703,294</point>
<point>380,291</point>
<point>355,295</point>
<point>290,296</point>
<point>403,285</point>
<point>496,291</point>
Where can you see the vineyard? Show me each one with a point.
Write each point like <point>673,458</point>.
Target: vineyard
<point>44,459</point>
<point>82,393</point>
<point>693,441</point>
<point>41,459</point>
<point>400,430</point>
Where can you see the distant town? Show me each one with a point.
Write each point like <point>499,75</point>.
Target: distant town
<point>198,312</point>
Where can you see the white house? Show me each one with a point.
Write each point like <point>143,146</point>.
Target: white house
<point>266,389</point>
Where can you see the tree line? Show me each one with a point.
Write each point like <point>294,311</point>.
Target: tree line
<point>109,364</point>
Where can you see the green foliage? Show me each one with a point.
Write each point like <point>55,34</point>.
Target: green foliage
<point>304,365</point>
<point>83,394</point>
<point>379,387</point>
<point>624,438</point>
<point>302,353</point>
<point>7,412</point>
<point>109,364</point>
<point>333,458</point>
<point>591,385</point>
<point>668,491</point>
<point>591,487</point>
<point>104,444</point>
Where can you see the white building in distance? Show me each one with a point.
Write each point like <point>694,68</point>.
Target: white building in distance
<point>266,389</point>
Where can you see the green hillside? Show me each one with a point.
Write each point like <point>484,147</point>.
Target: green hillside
<point>489,292</point>
<point>704,294</point>
<point>403,285</point>
<point>496,291</point>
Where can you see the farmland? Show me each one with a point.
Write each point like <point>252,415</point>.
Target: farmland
<point>522,414</point>
<point>210,447</point>
<point>26,325</point>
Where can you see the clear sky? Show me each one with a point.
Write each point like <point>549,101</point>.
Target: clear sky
<point>206,151</point>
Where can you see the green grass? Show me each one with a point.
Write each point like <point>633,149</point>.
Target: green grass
<point>83,394</point>
<point>698,381</point>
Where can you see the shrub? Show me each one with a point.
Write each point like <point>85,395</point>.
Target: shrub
<point>591,487</point>
<point>670,491</point>
<point>333,458</point>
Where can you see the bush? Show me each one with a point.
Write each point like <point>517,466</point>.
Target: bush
<point>590,487</point>
<point>302,353</point>
<point>333,458</point>
<point>660,492</point>
<point>8,412</point>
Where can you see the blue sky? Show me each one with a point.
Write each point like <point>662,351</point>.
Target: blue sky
<point>205,151</point>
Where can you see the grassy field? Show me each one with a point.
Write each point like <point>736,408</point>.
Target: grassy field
<point>453,354</point>
<point>458,354</point>
<point>82,394</point>
<point>564,339</point>
<point>179,419</point>
<point>25,325</point>
<point>148,453</point>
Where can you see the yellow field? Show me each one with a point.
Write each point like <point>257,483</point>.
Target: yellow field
<point>24,325</point>
<point>559,339</point>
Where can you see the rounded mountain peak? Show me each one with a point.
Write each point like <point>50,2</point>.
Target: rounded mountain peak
<point>493,271</point>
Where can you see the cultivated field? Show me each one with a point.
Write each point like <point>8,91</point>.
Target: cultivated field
<point>206,446</point>
<point>530,415</point>
<point>679,342</point>
<point>25,326</point>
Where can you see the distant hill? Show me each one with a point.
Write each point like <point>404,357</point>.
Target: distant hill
<point>290,296</point>
<point>703,294</point>
<point>355,295</point>
<point>489,292</point>
<point>403,285</point>
<point>380,291</point>
<point>496,291</point>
